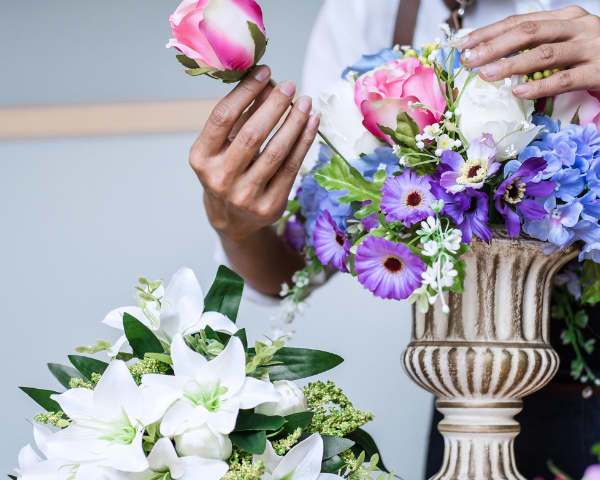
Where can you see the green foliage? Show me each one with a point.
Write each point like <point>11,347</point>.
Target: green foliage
<point>63,373</point>
<point>101,345</point>
<point>333,446</point>
<point>261,356</point>
<point>241,467</point>
<point>559,474</point>
<point>297,363</point>
<point>147,366</point>
<point>141,338</point>
<point>42,398</point>
<point>365,443</point>
<point>254,421</point>
<point>250,442</point>
<point>260,41</point>
<point>296,421</point>
<point>338,176</point>
<point>187,62</point>
<point>88,366</point>
<point>332,465</point>
<point>459,281</point>
<point>225,294</point>
<point>206,343</point>
<point>596,451</point>
<point>590,279</point>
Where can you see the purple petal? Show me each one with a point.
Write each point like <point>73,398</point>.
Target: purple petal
<point>542,189</point>
<point>453,159</point>
<point>532,209</point>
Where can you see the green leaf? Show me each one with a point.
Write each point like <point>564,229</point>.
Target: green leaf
<point>161,357</point>
<point>212,335</point>
<point>336,177</point>
<point>406,129</point>
<point>141,338</point>
<point>228,76</point>
<point>225,294</point>
<point>255,421</point>
<point>558,473</point>
<point>187,63</point>
<point>42,397</point>
<point>591,274</point>
<point>87,365</point>
<point>464,248</point>
<point>334,445</point>
<point>596,451</point>
<point>64,374</point>
<point>241,334</point>
<point>12,477</point>
<point>459,280</point>
<point>296,420</point>
<point>260,41</point>
<point>300,363</point>
<point>251,442</point>
<point>196,72</point>
<point>364,442</point>
<point>332,465</point>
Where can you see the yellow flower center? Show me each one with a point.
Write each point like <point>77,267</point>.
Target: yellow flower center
<point>473,171</point>
<point>515,192</point>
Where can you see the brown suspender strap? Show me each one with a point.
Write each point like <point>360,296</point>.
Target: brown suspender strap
<point>406,20</point>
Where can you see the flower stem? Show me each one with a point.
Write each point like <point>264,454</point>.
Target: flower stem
<point>273,84</point>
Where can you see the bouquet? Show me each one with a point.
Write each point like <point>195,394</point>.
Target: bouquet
<point>195,401</point>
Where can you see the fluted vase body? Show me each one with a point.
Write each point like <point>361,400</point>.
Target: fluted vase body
<point>487,354</point>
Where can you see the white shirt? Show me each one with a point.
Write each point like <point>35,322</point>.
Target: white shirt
<point>347,29</point>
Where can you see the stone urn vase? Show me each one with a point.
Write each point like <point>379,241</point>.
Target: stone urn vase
<point>487,354</point>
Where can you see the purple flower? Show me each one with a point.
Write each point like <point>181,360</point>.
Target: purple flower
<point>510,196</point>
<point>388,269</point>
<point>468,210</point>
<point>370,222</point>
<point>569,276</point>
<point>592,473</point>
<point>294,234</point>
<point>330,243</point>
<point>406,198</point>
<point>472,173</point>
<point>556,226</point>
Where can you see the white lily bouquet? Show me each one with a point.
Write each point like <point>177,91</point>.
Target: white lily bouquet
<point>195,401</point>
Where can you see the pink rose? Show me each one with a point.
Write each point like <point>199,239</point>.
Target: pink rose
<point>566,104</point>
<point>218,34</point>
<point>381,95</point>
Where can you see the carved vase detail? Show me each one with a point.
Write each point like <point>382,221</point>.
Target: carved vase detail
<point>488,353</point>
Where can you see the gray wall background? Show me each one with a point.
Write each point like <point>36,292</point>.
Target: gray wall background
<point>81,219</point>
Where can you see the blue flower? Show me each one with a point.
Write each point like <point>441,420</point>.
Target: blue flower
<point>369,62</point>
<point>569,184</point>
<point>591,207</point>
<point>556,227</point>
<point>547,122</point>
<point>383,158</point>
<point>443,54</point>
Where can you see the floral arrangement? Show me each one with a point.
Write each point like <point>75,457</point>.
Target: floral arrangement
<point>195,401</point>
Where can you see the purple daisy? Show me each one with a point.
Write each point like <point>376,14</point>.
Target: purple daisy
<point>330,243</point>
<point>294,234</point>
<point>510,196</point>
<point>472,173</point>
<point>388,269</point>
<point>406,198</point>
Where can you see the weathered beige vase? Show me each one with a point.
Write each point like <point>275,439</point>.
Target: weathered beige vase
<point>487,354</point>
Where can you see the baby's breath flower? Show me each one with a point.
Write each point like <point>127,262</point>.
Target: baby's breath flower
<point>147,366</point>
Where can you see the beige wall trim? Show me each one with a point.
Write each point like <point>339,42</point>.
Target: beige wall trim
<point>104,119</point>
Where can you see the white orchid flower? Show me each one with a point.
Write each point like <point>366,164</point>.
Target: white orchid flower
<point>180,312</point>
<point>448,273</point>
<point>430,248</point>
<point>107,423</point>
<point>303,462</point>
<point>204,442</point>
<point>453,240</point>
<point>204,391</point>
<point>32,466</point>
<point>164,463</point>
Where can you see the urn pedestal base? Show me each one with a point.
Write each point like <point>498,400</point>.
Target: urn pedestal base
<point>487,354</point>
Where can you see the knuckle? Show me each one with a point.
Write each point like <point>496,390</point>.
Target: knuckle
<point>240,200</point>
<point>592,21</point>
<point>222,116</point>
<point>511,21</point>
<point>575,10</point>
<point>565,80</point>
<point>547,52</point>
<point>275,153</point>
<point>265,210</point>
<point>489,48</point>
<point>250,136</point>
<point>530,28</point>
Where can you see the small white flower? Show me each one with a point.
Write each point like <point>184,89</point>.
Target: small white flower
<point>404,48</point>
<point>418,138</point>
<point>436,205</point>
<point>457,112</point>
<point>467,54</point>
<point>430,248</point>
<point>410,104</point>
<point>397,49</point>
<point>511,151</point>
<point>431,131</point>
<point>448,114</point>
<point>452,241</point>
<point>438,152</point>
<point>526,125</point>
<point>457,143</point>
<point>438,41</point>
<point>444,142</point>
<point>455,42</point>
<point>430,225</point>
<point>448,273</point>
<point>420,145</point>
<point>403,161</point>
<point>430,276</point>
<point>285,289</point>
<point>444,27</point>
<point>433,56</point>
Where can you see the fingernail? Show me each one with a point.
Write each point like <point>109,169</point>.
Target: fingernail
<point>521,89</point>
<point>304,104</point>
<point>490,70</point>
<point>465,41</point>
<point>469,56</point>
<point>262,73</point>
<point>314,121</point>
<point>287,88</point>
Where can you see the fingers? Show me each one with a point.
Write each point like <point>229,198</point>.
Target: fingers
<point>228,111</point>
<point>581,78</point>
<point>258,128</point>
<point>490,32</point>
<point>248,113</point>
<point>283,180</point>
<point>281,144</point>
<point>528,34</point>
<point>544,57</point>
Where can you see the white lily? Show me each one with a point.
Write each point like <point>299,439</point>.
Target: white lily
<point>303,462</point>
<point>204,391</point>
<point>180,311</point>
<point>32,466</point>
<point>164,463</point>
<point>106,423</point>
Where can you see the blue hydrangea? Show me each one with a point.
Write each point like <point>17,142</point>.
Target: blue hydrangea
<point>370,62</point>
<point>383,158</point>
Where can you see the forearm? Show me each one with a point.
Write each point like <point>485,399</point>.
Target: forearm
<point>264,260</point>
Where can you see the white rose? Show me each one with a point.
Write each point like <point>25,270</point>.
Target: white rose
<point>490,107</point>
<point>342,121</point>
<point>292,401</point>
<point>203,442</point>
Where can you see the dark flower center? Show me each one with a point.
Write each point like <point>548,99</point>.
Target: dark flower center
<point>414,199</point>
<point>472,206</point>
<point>473,171</point>
<point>393,264</point>
<point>515,192</point>
<point>339,239</point>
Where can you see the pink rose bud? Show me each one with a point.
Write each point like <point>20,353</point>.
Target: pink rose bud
<point>220,38</point>
<point>382,94</point>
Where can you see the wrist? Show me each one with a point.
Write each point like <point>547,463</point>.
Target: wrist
<point>237,241</point>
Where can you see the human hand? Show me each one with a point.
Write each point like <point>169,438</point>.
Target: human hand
<point>569,37</point>
<point>246,190</point>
